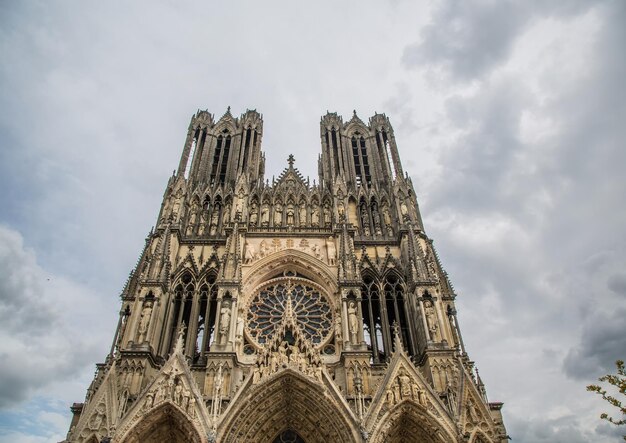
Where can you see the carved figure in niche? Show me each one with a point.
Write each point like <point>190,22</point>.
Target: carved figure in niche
<point>227,214</point>
<point>193,213</point>
<point>472,412</point>
<point>202,223</point>
<point>215,217</point>
<point>290,215</point>
<point>161,389</point>
<point>315,216</point>
<point>302,214</point>
<point>405,384</point>
<point>338,333</point>
<point>316,251</point>
<point>431,320</point>
<point>265,214</point>
<point>386,216</point>
<point>404,211</point>
<point>185,400</point>
<point>239,330</point>
<point>282,352</point>
<point>178,390</point>
<point>176,205</point>
<point>149,400</point>
<point>331,250</point>
<point>341,209</point>
<point>224,321</point>
<point>264,249</point>
<point>326,214</point>
<point>376,219</point>
<point>365,221</point>
<point>144,322</point>
<point>254,214</point>
<point>98,418</point>
<point>353,322</point>
<point>240,203</point>
<point>249,254</point>
<point>419,394</point>
<point>191,408</point>
<point>278,214</point>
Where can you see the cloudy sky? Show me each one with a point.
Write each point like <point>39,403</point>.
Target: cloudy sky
<point>510,117</point>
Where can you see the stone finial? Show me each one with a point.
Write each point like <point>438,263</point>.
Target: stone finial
<point>291,159</point>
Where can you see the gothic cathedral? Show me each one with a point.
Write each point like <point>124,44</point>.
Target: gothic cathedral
<point>285,311</point>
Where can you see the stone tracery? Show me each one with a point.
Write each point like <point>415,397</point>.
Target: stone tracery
<point>278,303</point>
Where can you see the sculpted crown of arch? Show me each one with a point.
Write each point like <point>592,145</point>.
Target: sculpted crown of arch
<point>174,393</point>
<point>404,395</point>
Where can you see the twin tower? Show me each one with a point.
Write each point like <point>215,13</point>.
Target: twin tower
<point>287,312</point>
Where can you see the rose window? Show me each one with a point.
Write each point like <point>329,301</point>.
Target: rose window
<point>278,298</point>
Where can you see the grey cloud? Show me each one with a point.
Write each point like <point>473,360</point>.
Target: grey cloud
<point>469,38</point>
<point>617,284</point>
<point>563,429</point>
<point>37,345</point>
<point>603,341</point>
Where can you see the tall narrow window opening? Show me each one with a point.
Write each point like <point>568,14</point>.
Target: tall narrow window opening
<point>192,152</point>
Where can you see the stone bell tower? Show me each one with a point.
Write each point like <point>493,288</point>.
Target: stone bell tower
<point>287,311</point>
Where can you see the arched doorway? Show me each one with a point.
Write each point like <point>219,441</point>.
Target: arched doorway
<point>164,424</point>
<point>288,408</point>
<point>409,422</point>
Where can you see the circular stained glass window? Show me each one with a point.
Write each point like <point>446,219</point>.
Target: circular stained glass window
<point>310,308</point>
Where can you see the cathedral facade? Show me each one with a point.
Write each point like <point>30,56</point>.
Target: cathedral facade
<point>287,311</point>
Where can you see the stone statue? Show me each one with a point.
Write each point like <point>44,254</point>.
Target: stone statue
<point>431,321</point>
<point>386,216</point>
<point>353,322</point>
<point>341,210</point>
<point>145,321</point>
<point>239,330</point>
<point>178,390</point>
<point>302,214</point>
<point>224,321</point>
<point>315,216</point>
<point>278,214</point>
<point>249,254</point>
<point>240,203</point>
<point>254,214</point>
<point>316,250</point>
<point>326,214</point>
<point>215,216</point>
<point>265,214</point>
<point>405,384</point>
<point>404,211</point>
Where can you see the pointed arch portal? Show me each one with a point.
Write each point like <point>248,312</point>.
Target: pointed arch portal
<point>288,408</point>
<point>164,424</point>
<point>409,422</point>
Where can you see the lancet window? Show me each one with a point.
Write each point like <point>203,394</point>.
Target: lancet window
<point>383,305</point>
<point>249,140</point>
<point>332,141</point>
<point>181,312</point>
<point>396,307</point>
<point>384,150</point>
<point>207,300</point>
<point>361,162</point>
<point>373,319</point>
<point>220,158</point>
